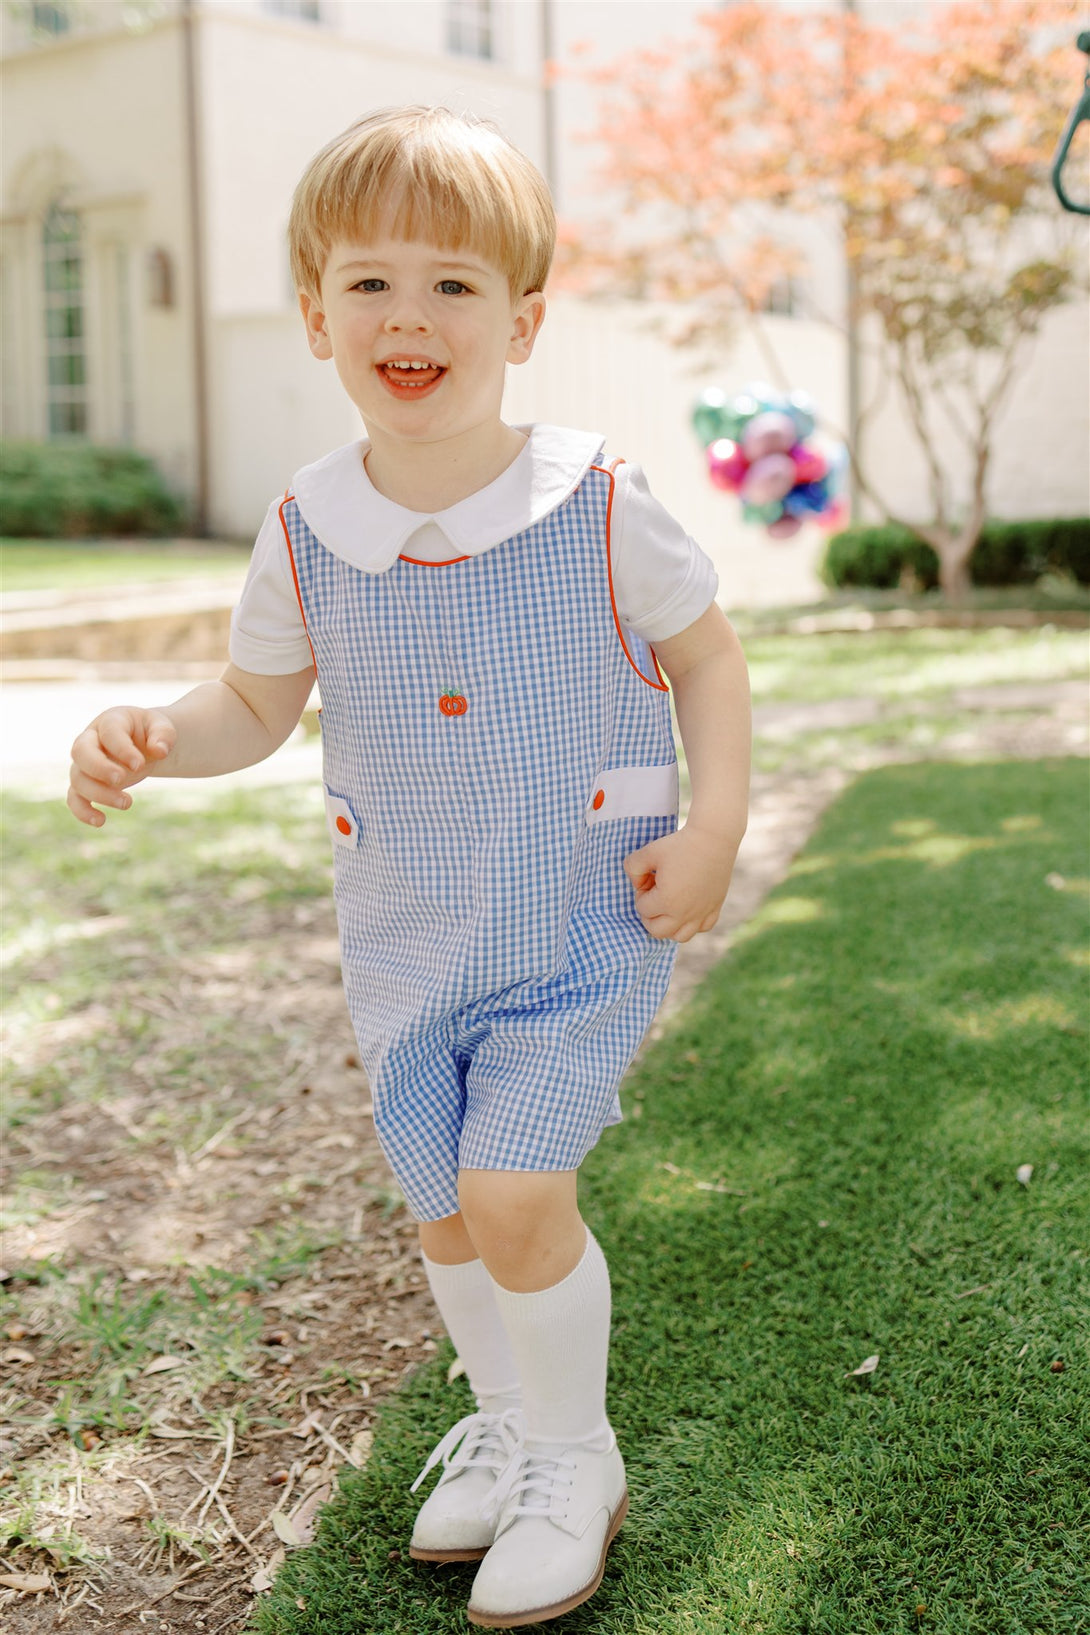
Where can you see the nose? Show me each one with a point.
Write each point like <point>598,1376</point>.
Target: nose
<point>407,313</point>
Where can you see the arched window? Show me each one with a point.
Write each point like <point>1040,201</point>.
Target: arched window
<point>66,358</point>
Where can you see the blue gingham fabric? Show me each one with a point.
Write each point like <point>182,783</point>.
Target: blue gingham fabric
<point>498,977</point>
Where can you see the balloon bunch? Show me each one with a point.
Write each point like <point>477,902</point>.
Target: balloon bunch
<point>757,447</point>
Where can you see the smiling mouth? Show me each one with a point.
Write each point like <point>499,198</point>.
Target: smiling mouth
<point>410,379</point>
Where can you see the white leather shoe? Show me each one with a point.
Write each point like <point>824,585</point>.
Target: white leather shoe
<point>449,1525</point>
<point>558,1513</point>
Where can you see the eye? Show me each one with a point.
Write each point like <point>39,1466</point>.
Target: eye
<point>453,286</point>
<point>370,286</point>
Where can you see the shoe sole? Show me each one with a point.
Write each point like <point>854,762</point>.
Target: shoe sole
<point>448,1555</point>
<point>540,1615</point>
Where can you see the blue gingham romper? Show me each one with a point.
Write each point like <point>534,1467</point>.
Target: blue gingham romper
<point>494,745</point>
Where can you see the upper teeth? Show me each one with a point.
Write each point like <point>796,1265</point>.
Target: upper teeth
<point>407,363</point>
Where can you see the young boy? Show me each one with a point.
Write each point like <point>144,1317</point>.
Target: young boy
<point>486,607</point>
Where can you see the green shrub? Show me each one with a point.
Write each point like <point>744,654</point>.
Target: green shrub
<point>74,490</point>
<point>1007,553</point>
<point>881,558</point>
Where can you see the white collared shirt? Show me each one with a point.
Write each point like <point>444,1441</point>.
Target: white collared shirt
<point>662,579</point>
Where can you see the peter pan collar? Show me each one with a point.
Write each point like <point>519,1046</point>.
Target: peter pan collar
<point>352,519</point>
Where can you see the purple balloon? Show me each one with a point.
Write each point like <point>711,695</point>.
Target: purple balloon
<point>769,433</point>
<point>769,479</point>
<point>784,527</point>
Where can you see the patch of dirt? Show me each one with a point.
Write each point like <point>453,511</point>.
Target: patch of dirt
<point>339,1332</point>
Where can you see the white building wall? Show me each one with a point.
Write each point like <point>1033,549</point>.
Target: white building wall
<point>105,115</point>
<point>96,120</point>
<point>603,368</point>
<point>275,92</point>
<point>275,408</point>
<point>1040,463</point>
<point>1041,460</point>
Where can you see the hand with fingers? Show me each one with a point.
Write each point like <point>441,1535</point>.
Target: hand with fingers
<point>681,882</point>
<point>119,748</point>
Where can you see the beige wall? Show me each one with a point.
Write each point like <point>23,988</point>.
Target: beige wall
<point>603,368</point>
<point>101,119</point>
<point>274,93</point>
<point>97,122</point>
<point>275,408</point>
<point>1040,464</point>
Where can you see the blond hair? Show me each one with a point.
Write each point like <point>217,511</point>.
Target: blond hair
<point>424,173</point>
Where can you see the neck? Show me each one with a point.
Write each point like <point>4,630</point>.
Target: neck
<point>435,476</point>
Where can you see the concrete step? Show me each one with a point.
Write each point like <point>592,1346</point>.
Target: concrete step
<point>184,619</point>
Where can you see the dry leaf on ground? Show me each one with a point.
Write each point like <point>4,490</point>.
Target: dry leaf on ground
<point>29,1583</point>
<point>263,1578</point>
<point>304,1517</point>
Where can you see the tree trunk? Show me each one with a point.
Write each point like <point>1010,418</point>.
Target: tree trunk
<point>953,554</point>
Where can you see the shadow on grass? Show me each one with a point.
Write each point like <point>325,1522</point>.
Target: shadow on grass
<point>824,1168</point>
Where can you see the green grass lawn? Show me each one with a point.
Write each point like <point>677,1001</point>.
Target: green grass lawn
<point>42,564</point>
<point>819,1164</point>
<point>912,666</point>
<point>1054,593</point>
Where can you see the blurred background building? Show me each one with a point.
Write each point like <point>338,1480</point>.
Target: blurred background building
<point>150,148</point>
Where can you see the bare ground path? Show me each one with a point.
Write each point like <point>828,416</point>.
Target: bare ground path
<point>181,1525</point>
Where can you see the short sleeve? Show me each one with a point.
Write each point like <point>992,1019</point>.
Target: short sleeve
<point>663,581</point>
<point>268,636</point>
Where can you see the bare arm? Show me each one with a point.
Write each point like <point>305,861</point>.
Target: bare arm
<point>218,727</point>
<point>710,683</point>
<point>681,880</point>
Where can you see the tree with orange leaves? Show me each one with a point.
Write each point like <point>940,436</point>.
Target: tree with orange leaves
<point>928,142</point>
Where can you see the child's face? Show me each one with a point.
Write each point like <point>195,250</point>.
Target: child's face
<point>397,301</point>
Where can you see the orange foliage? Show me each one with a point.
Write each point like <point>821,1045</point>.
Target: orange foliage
<point>924,141</point>
<point>925,144</point>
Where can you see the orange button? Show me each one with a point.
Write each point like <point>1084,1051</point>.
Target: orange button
<point>344,826</point>
<point>599,797</point>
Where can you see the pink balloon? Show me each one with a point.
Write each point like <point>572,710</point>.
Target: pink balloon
<point>784,527</point>
<point>770,433</point>
<point>810,464</point>
<point>769,479</point>
<point>835,514</point>
<point>727,465</point>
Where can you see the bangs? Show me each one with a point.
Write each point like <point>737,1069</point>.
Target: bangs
<point>427,175</point>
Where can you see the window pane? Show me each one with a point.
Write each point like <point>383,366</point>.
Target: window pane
<point>65,360</point>
<point>64,323</point>
<point>308,11</point>
<point>61,226</point>
<point>61,272</point>
<point>67,369</point>
<point>68,419</point>
<point>469,27</point>
<point>50,18</point>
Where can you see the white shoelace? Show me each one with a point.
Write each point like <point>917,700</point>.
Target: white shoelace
<point>478,1439</point>
<point>532,1478</point>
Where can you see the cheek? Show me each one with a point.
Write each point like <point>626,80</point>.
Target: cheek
<point>355,342</point>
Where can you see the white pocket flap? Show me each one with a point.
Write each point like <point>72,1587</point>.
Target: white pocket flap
<point>634,791</point>
<point>342,821</point>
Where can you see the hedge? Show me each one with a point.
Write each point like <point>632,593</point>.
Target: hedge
<point>73,490</point>
<point>1007,553</point>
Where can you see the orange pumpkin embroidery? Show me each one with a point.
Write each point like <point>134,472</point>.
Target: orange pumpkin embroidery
<point>452,703</point>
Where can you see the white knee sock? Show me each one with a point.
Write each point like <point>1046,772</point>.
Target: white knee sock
<point>467,1305</point>
<point>560,1341</point>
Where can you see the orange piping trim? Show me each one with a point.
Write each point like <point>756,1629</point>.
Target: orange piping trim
<point>660,685</point>
<point>298,593</point>
<point>417,561</point>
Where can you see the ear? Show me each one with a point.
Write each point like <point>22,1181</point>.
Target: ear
<point>317,334</point>
<point>528,319</point>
